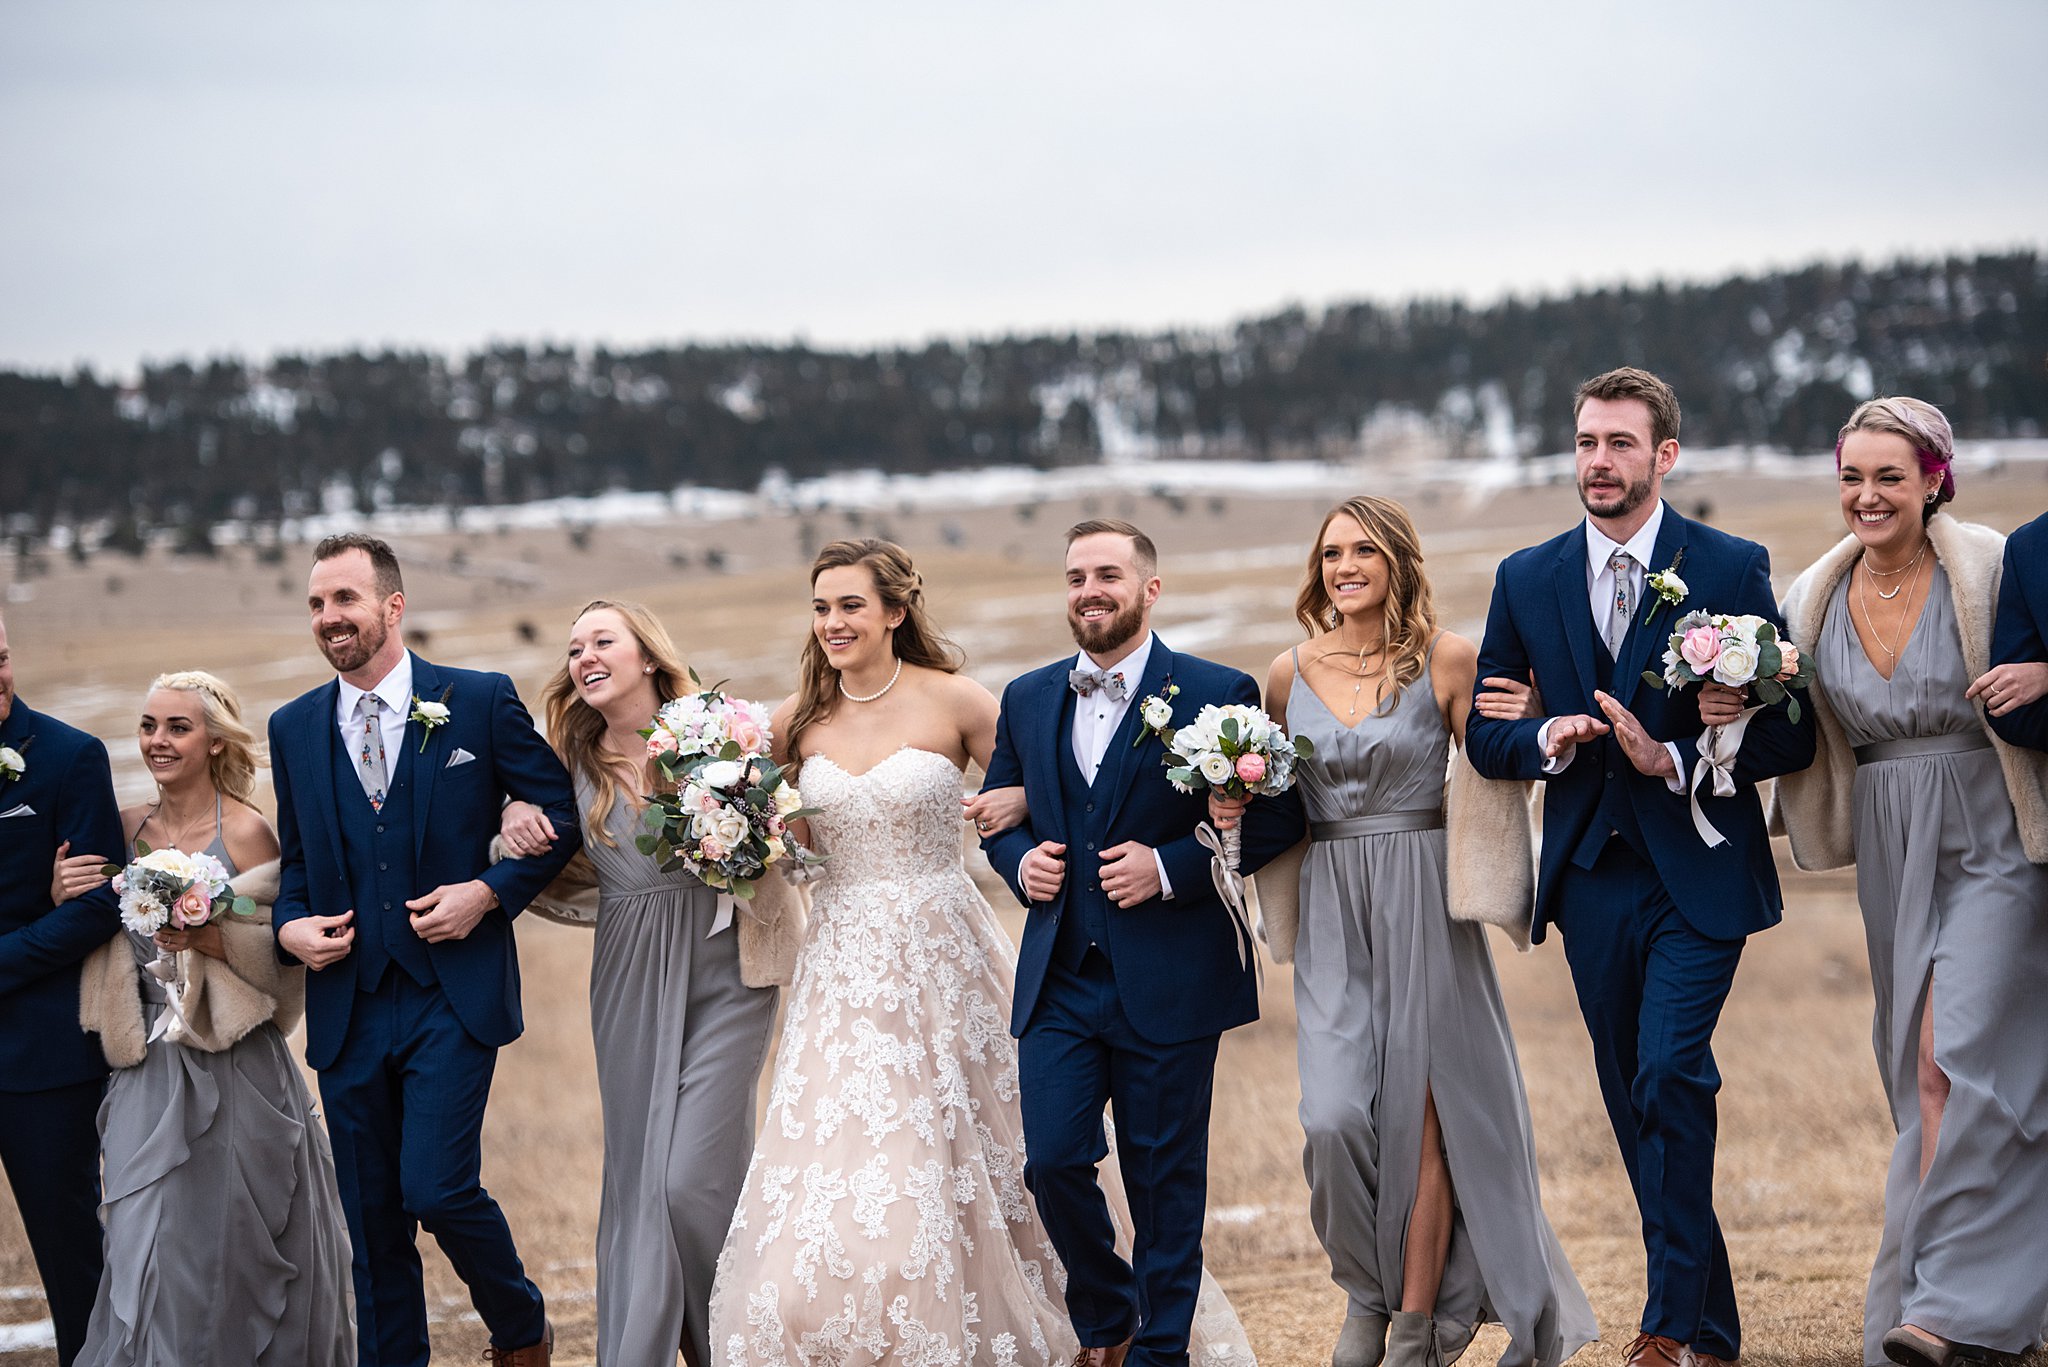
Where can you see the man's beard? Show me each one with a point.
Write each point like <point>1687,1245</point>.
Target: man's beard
<point>369,640</point>
<point>1106,634</point>
<point>1633,496</point>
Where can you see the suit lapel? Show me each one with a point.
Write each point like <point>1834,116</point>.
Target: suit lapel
<point>1130,760</point>
<point>422,753</point>
<point>1575,610</point>
<point>1044,756</point>
<point>1653,616</point>
<point>321,733</point>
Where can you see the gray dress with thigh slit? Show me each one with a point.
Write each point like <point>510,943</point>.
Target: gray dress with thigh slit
<point>680,1043</point>
<point>1949,902</point>
<point>1396,1001</point>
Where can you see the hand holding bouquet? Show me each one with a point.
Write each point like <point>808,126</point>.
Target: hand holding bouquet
<point>169,887</point>
<point>727,820</point>
<point>1737,652</point>
<point>1236,751</point>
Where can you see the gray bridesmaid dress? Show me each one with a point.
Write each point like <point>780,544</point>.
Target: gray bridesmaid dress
<point>1949,900</point>
<point>225,1242</point>
<point>1394,1000</point>
<point>680,1043</point>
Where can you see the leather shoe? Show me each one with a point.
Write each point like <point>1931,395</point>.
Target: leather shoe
<point>1655,1350</point>
<point>540,1354</point>
<point>1103,1357</point>
<point>1694,1357</point>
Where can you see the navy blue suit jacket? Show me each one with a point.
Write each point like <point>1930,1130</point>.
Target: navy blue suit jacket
<point>1541,620</point>
<point>480,972</point>
<point>65,792</point>
<point>2022,623</point>
<point>1175,959</point>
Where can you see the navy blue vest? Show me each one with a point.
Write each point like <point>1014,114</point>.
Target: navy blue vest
<point>1616,813</point>
<point>1086,920</point>
<point>378,847</point>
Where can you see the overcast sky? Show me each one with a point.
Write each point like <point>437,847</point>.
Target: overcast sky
<point>192,178</point>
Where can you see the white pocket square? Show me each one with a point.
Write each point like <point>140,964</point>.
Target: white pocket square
<point>18,809</point>
<point>461,756</point>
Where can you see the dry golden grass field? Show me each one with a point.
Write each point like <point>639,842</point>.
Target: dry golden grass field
<point>1803,1129</point>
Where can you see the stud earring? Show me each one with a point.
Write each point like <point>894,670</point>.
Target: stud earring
<point>648,670</point>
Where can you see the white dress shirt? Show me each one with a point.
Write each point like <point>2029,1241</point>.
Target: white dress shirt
<point>1600,576</point>
<point>1096,719</point>
<point>394,690</point>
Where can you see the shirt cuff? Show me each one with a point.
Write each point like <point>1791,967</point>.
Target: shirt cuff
<point>1676,783</point>
<point>1554,764</point>
<point>1165,883</point>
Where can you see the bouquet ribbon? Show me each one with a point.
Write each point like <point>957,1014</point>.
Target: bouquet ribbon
<point>167,969</point>
<point>1223,872</point>
<point>1718,746</point>
<point>726,903</point>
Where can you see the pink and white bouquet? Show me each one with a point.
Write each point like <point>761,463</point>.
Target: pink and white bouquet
<point>1739,652</point>
<point>169,887</point>
<point>1238,751</point>
<point>727,820</point>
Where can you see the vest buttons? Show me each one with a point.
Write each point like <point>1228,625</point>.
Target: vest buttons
<point>1091,806</point>
<point>382,867</point>
<point>380,828</point>
<point>1091,845</point>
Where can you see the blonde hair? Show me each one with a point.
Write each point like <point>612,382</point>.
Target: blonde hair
<point>576,729</point>
<point>915,640</point>
<point>233,767</point>
<point>1925,429</point>
<point>1410,608</point>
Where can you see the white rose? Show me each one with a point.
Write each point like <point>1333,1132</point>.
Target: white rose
<point>1216,767</point>
<point>787,799</point>
<point>1157,712</point>
<point>730,829</point>
<point>721,773</point>
<point>1737,665</point>
<point>1669,585</point>
<point>432,713</point>
<point>11,762</point>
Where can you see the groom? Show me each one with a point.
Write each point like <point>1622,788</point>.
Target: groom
<point>1130,967</point>
<point>416,978</point>
<point>1653,918</point>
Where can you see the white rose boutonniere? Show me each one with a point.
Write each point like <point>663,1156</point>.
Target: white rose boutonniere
<point>430,715</point>
<point>12,765</point>
<point>1155,715</point>
<point>1665,583</point>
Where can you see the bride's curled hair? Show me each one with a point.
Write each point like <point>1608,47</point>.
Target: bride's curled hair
<point>898,586</point>
<point>576,729</point>
<point>1411,622</point>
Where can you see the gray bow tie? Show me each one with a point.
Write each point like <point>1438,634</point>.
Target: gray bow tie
<point>1086,681</point>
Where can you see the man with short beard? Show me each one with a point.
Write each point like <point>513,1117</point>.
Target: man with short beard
<point>55,789</point>
<point>1653,916</point>
<point>1130,968</point>
<point>415,981</point>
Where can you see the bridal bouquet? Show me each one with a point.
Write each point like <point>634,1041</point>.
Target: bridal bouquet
<point>1740,652</point>
<point>170,887</point>
<point>1237,750</point>
<point>727,820</point>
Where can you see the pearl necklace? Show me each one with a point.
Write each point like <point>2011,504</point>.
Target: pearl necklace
<point>870,697</point>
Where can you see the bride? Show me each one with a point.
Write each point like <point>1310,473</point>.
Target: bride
<point>884,1216</point>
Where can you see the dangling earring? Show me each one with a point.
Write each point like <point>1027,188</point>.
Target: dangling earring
<point>1336,617</point>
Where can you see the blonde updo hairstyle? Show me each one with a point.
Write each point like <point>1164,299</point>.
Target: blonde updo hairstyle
<point>576,729</point>
<point>1410,622</point>
<point>915,640</point>
<point>232,767</point>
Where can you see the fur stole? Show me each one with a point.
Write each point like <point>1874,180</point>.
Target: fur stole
<point>220,1000</point>
<point>1814,806</point>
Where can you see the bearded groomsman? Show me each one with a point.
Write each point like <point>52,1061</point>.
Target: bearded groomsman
<point>415,982</point>
<point>1653,917</point>
<point>55,787</point>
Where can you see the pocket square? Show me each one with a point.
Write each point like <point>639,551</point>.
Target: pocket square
<point>18,809</point>
<point>461,756</point>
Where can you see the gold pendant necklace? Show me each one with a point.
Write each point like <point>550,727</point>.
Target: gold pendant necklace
<point>1863,598</point>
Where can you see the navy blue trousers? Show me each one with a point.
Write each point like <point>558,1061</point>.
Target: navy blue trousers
<point>50,1143</point>
<point>405,1110</point>
<point>1651,988</point>
<point>1078,1053</point>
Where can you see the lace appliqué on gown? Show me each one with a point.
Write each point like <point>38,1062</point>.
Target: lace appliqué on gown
<point>885,1216</point>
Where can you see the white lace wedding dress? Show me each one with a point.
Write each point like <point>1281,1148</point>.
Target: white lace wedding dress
<point>884,1216</point>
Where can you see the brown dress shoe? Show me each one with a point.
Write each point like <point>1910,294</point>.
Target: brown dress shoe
<point>1655,1350</point>
<point>1103,1357</point>
<point>1695,1358</point>
<point>540,1354</point>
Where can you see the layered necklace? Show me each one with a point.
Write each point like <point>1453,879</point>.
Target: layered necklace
<point>1890,648</point>
<point>1376,651</point>
<point>1906,568</point>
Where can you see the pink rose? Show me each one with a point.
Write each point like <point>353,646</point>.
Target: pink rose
<point>192,908</point>
<point>1789,664</point>
<point>1699,648</point>
<point>1251,768</point>
<point>746,733</point>
<point>661,743</point>
<point>711,849</point>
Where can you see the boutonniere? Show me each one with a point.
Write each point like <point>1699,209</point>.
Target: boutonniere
<point>1155,714</point>
<point>430,715</point>
<point>12,763</point>
<point>1666,584</point>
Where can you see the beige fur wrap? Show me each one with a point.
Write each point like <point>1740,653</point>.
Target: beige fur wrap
<point>220,1001</point>
<point>770,925</point>
<point>1813,806</point>
<point>1492,862</point>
